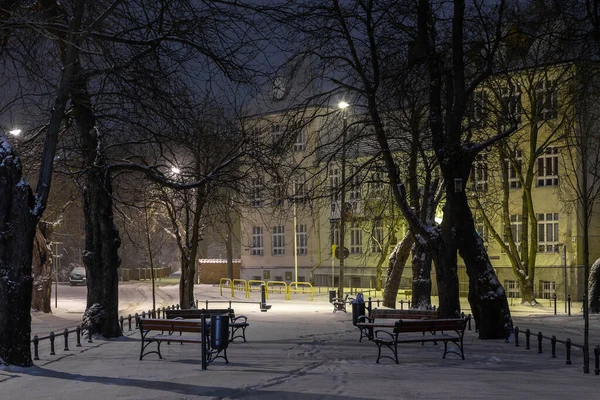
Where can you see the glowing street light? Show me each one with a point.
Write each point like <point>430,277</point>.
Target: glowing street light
<point>15,132</point>
<point>343,104</point>
<point>175,170</point>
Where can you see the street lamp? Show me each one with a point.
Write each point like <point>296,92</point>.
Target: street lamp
<point>15,132</point>
<point>342,105</point>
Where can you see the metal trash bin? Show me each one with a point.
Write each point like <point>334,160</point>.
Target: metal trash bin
<point>358,309</point>
<point>332,295</point>
<point>219,331</point>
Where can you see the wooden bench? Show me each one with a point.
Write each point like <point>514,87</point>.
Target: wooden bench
<point>171,326</point>
<point>236,324</point>
<point>441,330</point>
<point>367,323</point>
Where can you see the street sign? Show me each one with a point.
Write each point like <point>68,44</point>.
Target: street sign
<point>338,253</point>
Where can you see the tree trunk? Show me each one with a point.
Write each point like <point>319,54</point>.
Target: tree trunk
<point>527,292</point>
<point>186,282</point>
<point>446,270</point>
<point>41,272</point>
<point>100,256</point>
<point>421,269</point>
<point>594,287</point>
<point>487,297</point>
<point>395,269</point>
<point>17,230</point>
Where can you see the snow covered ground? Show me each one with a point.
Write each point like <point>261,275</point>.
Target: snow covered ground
<point>301,350</point>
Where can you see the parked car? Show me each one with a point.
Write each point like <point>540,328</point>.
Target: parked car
<point>77,276</point>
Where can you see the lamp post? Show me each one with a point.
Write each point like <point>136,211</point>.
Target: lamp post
<point>341,252</point>
<point>295,234</point>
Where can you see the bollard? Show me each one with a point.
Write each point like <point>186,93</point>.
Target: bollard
<point>597,357</point>
<point>540,337</point>
<point>66,335</point>
<point>78,333</point>
<point>516,336</point>
<point>568,345</point>
<point>121,322</point>
<point>553,342</point>
<point>207,304</point>
<point>229,304</point>
<point>402,304</point>
<point>527,336</point>
<point>137,317</point>
<point>36,342</point>
<point>569,302</point>
<point>52,344</point>
<point>554,303</point>
<point>370,305</point>
<point>377,302</point>
<point>408,303</point>
<point>143,314</point>
<point>469,321</point>
<point>129,321</point>
<point>89,328</point>
<point>177,307</point>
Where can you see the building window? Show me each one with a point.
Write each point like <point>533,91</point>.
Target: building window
<point>512,289</point>
<point>355,239</point>
<point>548,232</point>
<point>302,239</point>
<point>547,174</point>
<point>511,105</point>
<point>257,241</point>
<point>546,100</point>
<point>300,143</point>
<point>482,230</point>
<point>278,240</point>
<point>256,187</point>
<point>478,110</point>
<point>300,192</point>
<point>479,173</point>
<point>335,234</point>
<point>354,193</point>
<point>547,289</point>
<point>516,228</point>
<point>334,183</point>
<point>377,237</point>
<point>278,190</point>
<point>514,170</point>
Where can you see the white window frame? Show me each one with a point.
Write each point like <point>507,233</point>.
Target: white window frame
<point>513,173</point>
<point>278,244</point>
<point>354,194</point>
<point>479,173</point>
<point>278,190</point>
<point>256,187</point>
<point>355,239</point>
<point>377,237</point>
<point>512,288</point>
<point>302,239</point>
<point>546,100</point>
<point>301,138</point>
<point>548,232</point>
<point>511,101</point>
<point>516,227</point>
<point>547,165</point>
<point>335,233</point>
<point>547,289</point>
<point>257,248</point>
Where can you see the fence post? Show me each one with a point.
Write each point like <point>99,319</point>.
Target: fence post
<point>568,345</point>
<point>527,336</point>
<point>553,342</point>
<point>137,317</point>
<point>78,333</point>
<point>597,357</point>
<point>36,342</point>
<point>52,344</point>
<point>569,302</point>
<point>516,336</point>
<point>540,337</point>
<point>121,322</point>
<point>554,303</point>
<point>66,334</point>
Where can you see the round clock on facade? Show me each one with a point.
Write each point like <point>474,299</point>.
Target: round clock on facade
<point>278,88</point>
